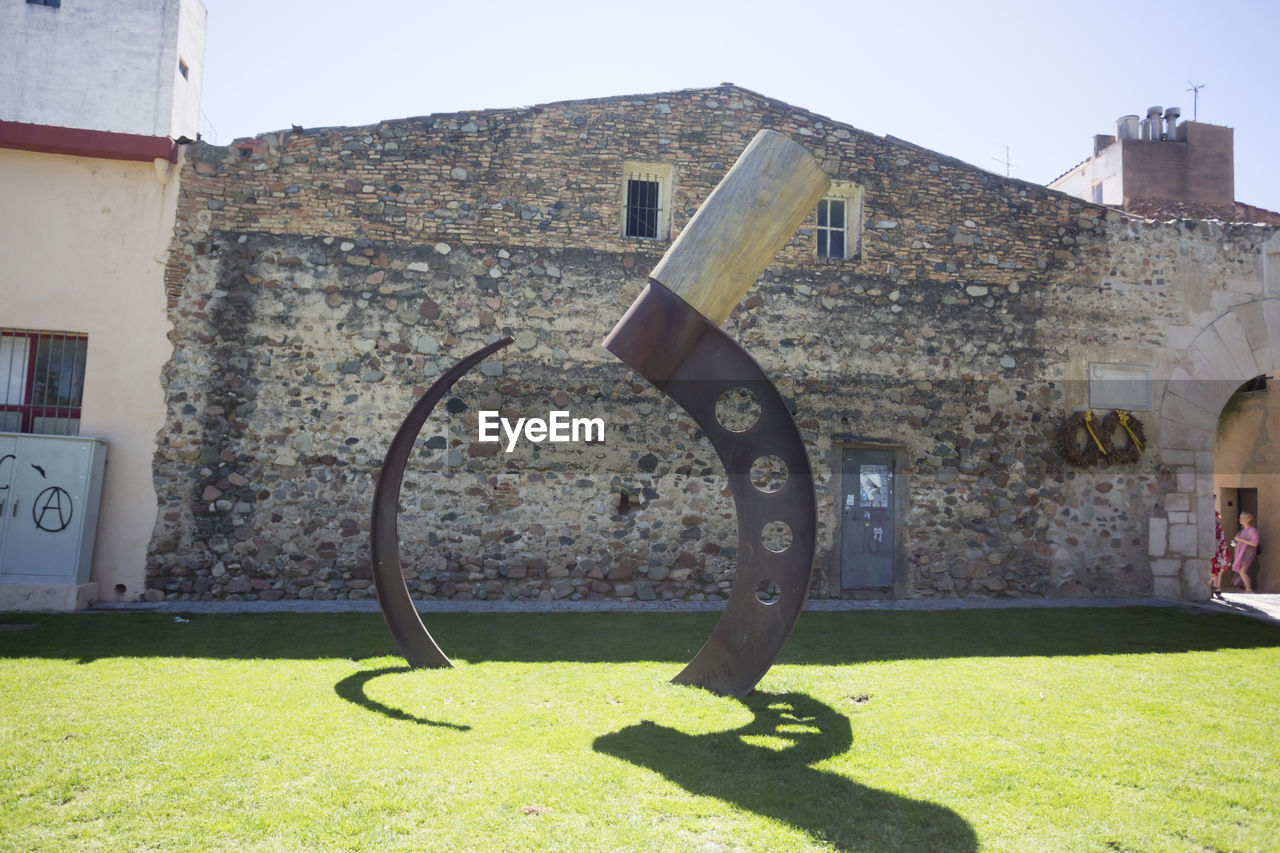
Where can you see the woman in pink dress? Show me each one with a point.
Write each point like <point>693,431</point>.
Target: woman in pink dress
<point>1246,545</point>
<point>1221,558</point>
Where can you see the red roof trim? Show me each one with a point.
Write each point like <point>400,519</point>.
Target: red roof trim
<point>78,142</point>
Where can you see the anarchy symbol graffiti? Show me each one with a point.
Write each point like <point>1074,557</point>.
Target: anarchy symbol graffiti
<point>52,509</point>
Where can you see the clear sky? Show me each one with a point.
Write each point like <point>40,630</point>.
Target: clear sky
<point>966,79</point>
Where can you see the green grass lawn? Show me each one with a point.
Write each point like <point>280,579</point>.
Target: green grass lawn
<point>1018,730</point>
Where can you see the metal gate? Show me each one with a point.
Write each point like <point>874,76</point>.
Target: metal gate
<point>866,520</point>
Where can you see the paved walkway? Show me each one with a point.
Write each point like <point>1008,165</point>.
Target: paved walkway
<point>1258,606</point>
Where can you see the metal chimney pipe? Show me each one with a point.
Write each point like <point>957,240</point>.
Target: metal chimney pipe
<point>1170,123</point>
<point>1151,124</point>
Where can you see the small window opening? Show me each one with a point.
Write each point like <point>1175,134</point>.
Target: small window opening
<point>643,207</point>
<point>182,69</point>
<point>54,3</point>
<point>833,228</point>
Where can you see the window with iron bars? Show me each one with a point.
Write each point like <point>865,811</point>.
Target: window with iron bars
<point>644,207</point>
<point>41,381</point>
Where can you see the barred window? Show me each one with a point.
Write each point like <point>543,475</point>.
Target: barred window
<point>646,200</point>
<point>41,381</point>
<point>643,208</point>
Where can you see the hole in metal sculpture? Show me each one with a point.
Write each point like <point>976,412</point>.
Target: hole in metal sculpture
<point>767,591</point>
<point>737,409</point>
<point>776,536</point>
<point>768,474</point>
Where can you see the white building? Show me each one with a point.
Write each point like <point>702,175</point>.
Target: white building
<point>125,66</point>
<point>93,95</point>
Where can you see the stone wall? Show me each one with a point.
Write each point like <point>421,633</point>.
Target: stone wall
<point>320,280</point>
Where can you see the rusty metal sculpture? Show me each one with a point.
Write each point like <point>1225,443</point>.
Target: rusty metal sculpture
<point>413,638</point>
<point>670,336</point>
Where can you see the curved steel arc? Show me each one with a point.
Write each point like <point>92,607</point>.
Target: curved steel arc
<point>771,586</point>
<point>419,649</point>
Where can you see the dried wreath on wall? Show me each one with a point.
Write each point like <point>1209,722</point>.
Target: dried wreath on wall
<point>1115,439</point>
<point>1129,437</point>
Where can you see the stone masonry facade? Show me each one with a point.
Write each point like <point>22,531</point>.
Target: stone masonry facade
<point>320,280</point>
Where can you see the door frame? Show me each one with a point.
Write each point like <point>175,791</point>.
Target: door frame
<point>901,504</point>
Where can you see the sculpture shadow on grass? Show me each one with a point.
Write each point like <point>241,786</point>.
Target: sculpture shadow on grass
<point>352,688</point>
<point>782,783</point>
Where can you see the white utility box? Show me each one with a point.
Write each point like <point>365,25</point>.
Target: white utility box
<point>50,489</point>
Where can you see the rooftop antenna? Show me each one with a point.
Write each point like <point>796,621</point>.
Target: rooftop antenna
<point>205,123</point>
<point>1195,98</point>
<point>1008,163</point>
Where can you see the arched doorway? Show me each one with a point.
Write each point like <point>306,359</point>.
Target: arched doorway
<point>1238,346</point>
<point>1246,470</point>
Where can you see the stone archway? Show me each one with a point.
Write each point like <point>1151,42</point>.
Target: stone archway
<point>1239,345</point>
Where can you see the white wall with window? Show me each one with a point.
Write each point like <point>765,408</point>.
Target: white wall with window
<point>41,381</point>
<point>1098,179</point>
<point>113,65</point>
<point>85,329</point>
